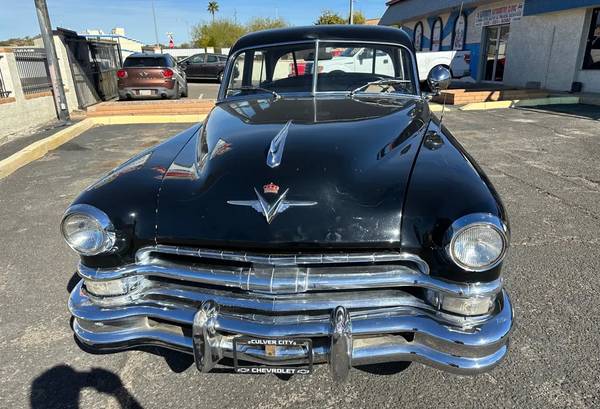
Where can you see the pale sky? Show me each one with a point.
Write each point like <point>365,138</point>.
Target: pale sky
<point>18,18</point>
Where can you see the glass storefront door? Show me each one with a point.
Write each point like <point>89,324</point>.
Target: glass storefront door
<point>496,40</point>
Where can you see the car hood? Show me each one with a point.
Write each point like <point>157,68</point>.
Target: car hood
<point>344,171</point>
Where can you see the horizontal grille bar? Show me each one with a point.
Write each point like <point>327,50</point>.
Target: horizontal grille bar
<point>286,259</point>
<point>293,281</point>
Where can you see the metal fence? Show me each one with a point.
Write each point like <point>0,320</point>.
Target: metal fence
<point>32,67</point>
<point>3,92</point>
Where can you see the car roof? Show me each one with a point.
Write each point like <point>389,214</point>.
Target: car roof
<point>353,32</point>
<point>146,55</point>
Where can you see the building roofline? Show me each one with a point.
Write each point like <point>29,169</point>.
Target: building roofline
<point>111,36</point>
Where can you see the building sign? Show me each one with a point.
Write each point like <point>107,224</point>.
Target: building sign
<point>499,15</point>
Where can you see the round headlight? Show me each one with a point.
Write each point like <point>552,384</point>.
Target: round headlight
<point>477,242</point>
<point>87,230</point>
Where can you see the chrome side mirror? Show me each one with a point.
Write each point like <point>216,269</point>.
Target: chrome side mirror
<point>439,79</point>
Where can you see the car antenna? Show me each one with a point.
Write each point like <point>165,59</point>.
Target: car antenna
<point>443,108</point>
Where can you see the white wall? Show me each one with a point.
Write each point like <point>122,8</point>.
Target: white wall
<point>546,48</point>
<point>21,113</point>
<point>66,74</point>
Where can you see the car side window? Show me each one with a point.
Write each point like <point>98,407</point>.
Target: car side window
<point>197,59</point>
<point>367,53</point>
<point>212,59</point>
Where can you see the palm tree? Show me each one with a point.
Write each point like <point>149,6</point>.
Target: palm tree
<point>212,8</point>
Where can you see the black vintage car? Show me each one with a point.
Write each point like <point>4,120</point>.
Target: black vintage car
<point>313,217</point>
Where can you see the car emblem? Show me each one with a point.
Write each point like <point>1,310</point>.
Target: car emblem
<point>270,210</point>
<point>271,188</point>
<point>143,74</point>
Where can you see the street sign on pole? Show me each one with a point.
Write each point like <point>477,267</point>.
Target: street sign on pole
<point>60,100</point>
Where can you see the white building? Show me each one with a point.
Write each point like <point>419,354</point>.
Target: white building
<point>128,45</point>
<point>552,44</point>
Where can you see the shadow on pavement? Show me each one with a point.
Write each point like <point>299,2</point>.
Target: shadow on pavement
<point>572,110</point>
<point>60,387</point>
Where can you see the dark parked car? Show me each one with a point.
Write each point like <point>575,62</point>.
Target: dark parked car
<point>204,66</point>
<point>311,219</point>
<point>146,75</point>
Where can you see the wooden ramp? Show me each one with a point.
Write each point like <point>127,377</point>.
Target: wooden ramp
<point>146,108</point>
<point>469,96</point>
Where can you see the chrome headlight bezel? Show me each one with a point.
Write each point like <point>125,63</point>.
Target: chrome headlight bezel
<point>100,219</point>
<point>476,220</point>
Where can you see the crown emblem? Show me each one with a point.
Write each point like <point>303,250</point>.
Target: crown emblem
<point>271,188</point>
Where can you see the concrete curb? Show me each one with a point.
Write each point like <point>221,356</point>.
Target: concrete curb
<point>147,119</point>
<point>40,148</point>
<point>478,106</point>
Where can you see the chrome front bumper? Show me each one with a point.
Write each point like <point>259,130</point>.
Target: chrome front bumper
<point>347,328</point>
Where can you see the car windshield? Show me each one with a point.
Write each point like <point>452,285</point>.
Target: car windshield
<point>290,68</point>
<point>349,52</point>
<point>144,62</point>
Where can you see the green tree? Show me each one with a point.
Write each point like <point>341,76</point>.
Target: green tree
<point>330,17</point>
<point>265,23</point>
<point>212,8</point>
<point>359,17</point>
<point>221,33</point>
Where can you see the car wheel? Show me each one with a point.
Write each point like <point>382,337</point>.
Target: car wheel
<point>220,77</point>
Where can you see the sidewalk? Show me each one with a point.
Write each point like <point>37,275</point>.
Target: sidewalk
<point>14,143</point>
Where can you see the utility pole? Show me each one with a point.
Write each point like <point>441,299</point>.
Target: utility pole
<point>58,90</point>
<point>351,11</point>
<point>155,27</point>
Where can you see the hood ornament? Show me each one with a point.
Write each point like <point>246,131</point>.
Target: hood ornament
<point>271,188</point>
<point>277,145</point>
<point>270,210</point>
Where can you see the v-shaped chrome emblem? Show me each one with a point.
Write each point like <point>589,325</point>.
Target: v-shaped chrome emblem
<point>277,145</point>
<point>270,210</point>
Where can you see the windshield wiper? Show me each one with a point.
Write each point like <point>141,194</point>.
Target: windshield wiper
<point>382,83</point>
<point>253,88</point>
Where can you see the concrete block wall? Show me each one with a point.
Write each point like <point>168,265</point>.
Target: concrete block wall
<point>20,113</point>
<point>539,46</point>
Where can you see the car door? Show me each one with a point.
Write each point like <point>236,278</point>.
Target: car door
<point>179,73</point>
<point>212,66</point>
<point>194,65</point>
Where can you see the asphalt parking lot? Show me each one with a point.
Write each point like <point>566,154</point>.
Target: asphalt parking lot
<point>544,163</point>
<point>202,89</point>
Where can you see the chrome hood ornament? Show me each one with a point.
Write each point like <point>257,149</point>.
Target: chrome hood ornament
<point>270,210</point>
<point>277,146</point>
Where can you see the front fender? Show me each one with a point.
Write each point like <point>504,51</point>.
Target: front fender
<point>128,195</point>
<point>446,184</point>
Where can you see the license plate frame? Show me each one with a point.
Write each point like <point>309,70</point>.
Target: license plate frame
<point>145,92</point>
<point>273,369</point>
